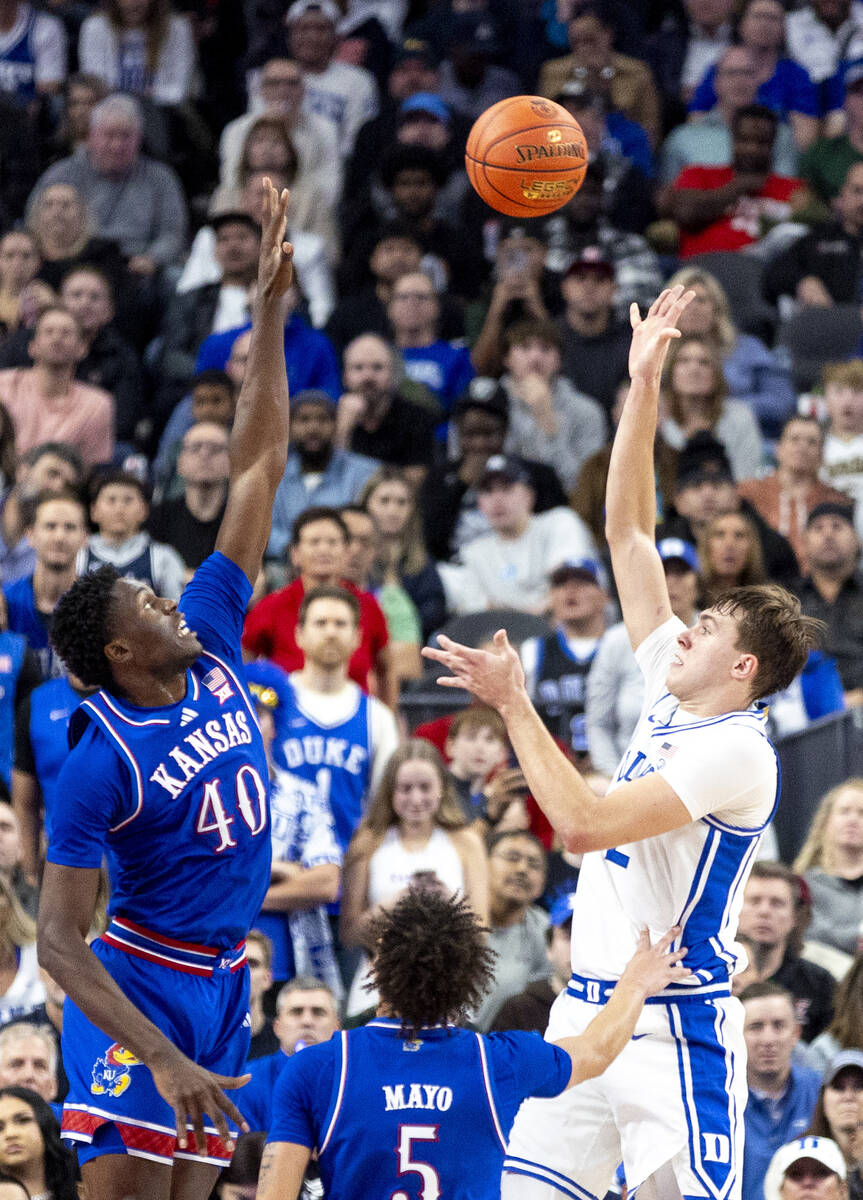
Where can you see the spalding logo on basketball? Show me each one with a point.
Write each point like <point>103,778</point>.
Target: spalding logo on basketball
<point>526,156</point>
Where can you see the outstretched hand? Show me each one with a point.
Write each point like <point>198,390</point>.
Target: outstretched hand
<point>495,677</point>
<point>192,1091</point>
<point>653,968</point>
<point>276,260</point>
<point>652,334</point>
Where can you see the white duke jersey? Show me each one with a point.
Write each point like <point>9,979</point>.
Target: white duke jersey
<point>725,771</point>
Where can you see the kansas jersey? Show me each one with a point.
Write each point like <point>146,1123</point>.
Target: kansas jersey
<point>725,771</point>
<point>176,797</point>
<point>427,1117</point>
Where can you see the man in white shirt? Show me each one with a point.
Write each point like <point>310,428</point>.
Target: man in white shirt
<point>671,842</point>
<point>32,52</point>
<point>509,567</point>
<point>821,34</point>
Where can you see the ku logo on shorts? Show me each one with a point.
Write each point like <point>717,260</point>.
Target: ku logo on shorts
<point>111,1074</point>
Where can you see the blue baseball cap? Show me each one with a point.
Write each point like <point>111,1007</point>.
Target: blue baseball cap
<point>586,569</point>
<point>426,102</point>
<point>673,548</point>
<point>561,909</point>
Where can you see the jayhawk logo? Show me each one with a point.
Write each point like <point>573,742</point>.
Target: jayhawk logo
<point>111,1072</point>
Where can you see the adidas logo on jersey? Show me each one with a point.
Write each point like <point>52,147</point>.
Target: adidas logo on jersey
<point>188,715</point>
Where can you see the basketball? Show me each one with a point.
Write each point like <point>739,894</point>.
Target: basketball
<point>526,156</point>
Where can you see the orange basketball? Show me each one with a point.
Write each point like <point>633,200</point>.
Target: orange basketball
<point>526,156</point>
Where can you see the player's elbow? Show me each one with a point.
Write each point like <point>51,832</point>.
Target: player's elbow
<point>576,841</point>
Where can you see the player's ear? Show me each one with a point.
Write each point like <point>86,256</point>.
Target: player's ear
<point>745,667</point>
<point>118,651</point>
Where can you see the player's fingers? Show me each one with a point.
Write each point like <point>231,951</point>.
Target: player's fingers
<point>231,1081</point>
<point>667,938</point>
<point>643,938</point>
<point>450,681</point>
<point>197,1123</point>
<point>180,1125</point>
<point>216,1108</point>
<point>634,315</point>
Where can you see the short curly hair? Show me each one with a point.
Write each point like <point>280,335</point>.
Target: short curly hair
<point>432,963</point>
<point>80,627</point>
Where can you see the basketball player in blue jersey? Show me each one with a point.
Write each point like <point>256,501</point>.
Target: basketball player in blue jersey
<point>670,844</point>
<point>166,779</point>
<point>411,1105</point>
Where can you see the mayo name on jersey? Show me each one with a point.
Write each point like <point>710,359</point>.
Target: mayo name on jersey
<point>199,807</point>
<point>692,876</point>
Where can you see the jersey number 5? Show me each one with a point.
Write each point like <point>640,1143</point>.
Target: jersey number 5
<point>430,1189</point>
<point>250,800</point>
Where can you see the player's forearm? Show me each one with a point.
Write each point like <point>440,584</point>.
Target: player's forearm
<point>260,432</point>
<point>315,886</point>
<point>555,784</point>
<point>630,496</point>
<point>283,1168</point>
<point>607,1033</point>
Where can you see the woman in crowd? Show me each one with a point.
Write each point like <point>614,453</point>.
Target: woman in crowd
<point>695,398</point>
<point>21,989</point>
<point>415,832</point>
<point>730,554</point>
<point>839,1114</point>
<point>31,1150</point>
<point>140,47</point>
<point>19,262</point>
<point>845,1031</point>
<point>402,561</point>
<point>832,862</point>
<point>752,371</point>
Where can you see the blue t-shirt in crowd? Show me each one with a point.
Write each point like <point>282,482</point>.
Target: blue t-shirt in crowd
<point>309,356</point>
<point>789,89</point>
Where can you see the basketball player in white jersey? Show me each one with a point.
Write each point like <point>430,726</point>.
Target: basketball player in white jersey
<point>670,844</point>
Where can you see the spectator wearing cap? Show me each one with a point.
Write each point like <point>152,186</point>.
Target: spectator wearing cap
<point>529,1010</point>
<point>584,221</point>
<point>822,268</point>
<point>595,344</point>
<point>782,1093</point>
<point>768,920</point>
<point>556,666</point>
<point>810,1168</point>
<point>703,489</point>
<point>509,567</point>
<point>786,497</point>
<point>708,142</point>
<point>615,685</point>
<point>443,367</point>
<point>343,94</point>
<point>632,90</point>
<point>448,500</point>
<point>723,208</point>
<point>318,472</point>
<point>839,1113</point>
<point>825,164</point>
<point>211,308</point>
<point>832,590</point>
<point>549,419</point>
<point>470,78</point>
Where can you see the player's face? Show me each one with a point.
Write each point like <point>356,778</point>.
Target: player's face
<point>119,510</point>
<point>808,1179</point>
<point>843,1100</point>
<point>845,824</point>
<point>27,1063</point>
<point>20,1136</point>
<point>308,1017</point>
<point>57,533</point>
<point>516,871</point>
<point>706,653</point>
<point>152,632</point>
<point>417,793</point>
<point>476,750</point>
<point>320,551</point>
<point>329,634</point>
<point>767,915</point>
<point>10,839</point>
<point>771,1032</point>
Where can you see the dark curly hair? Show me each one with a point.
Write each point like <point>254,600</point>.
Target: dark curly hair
<point>80,627</point>
<point>432,962</point>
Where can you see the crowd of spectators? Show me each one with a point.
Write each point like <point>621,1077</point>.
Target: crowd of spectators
<point>456,377</point>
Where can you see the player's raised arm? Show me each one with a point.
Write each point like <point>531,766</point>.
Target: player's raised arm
<point>630,498</point>
<point>259,442</point>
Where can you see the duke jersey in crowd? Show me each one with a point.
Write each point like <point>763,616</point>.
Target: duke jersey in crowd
<point>139,557</point>
<point>175,798</point>
<point>556,670</point>
<point>426,1117</point>
<point>676,1093</point>
<point>25,618</point>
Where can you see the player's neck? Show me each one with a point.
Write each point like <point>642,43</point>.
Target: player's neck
<point>325,680</point>
<point>714,704</point>
<point>150,691</point>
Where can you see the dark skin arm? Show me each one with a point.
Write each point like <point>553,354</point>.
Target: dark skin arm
<point>694,208</point>
<point>259,442</point>
<point>68,902</point>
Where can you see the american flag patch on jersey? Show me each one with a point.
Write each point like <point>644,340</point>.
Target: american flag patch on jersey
<point>216,681</point>
<point>666,747</point>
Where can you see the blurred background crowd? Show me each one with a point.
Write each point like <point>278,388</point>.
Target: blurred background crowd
<point>455,377</point>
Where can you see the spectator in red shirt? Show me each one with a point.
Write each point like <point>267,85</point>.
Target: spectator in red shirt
<point>318,548</point>
<point>726,208</point>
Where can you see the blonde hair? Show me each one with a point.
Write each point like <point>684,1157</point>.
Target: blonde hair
<point>382,816</point>
<point>412,553</point>
<point>753,569</point>
<point>720,389</point>
<point>19,928</point>
<point>815,851</point>
<point>844,374</point>
<point>723,326</point>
